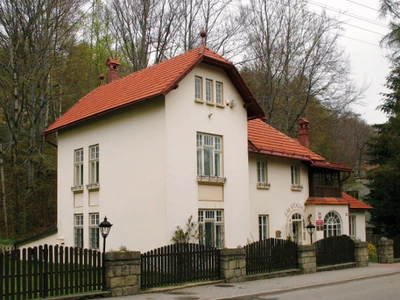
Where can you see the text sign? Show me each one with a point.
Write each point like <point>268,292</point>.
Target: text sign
<point>319,222</point>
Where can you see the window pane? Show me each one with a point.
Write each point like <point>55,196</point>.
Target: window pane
<point>199,163</point>
<point>209,233</point>
<point>217,164</point>
<point>208,162</point>
<point>198,88</point>
<point>209,90</point>
<point>218,92</point>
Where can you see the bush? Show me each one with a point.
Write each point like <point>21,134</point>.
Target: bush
<point>372,253</point>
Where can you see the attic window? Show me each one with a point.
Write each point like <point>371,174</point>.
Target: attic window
<point>209,91</point>
<point>198,89</point>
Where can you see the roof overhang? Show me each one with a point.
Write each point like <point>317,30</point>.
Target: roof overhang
<point>332,166</point>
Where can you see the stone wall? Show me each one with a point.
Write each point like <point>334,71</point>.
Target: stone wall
<point>123,273</point>
<point>361,254</point>
<point>385,251</point>
<point>307,259</point>
<point>233,265</point>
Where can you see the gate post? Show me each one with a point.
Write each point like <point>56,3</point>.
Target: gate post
<point>361,254</point>
<point>385,251</point>
<point>307,259</point>
<point>122,273</point>
<point>233,264</point>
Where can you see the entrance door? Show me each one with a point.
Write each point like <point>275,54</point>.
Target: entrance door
<point>296,228</point>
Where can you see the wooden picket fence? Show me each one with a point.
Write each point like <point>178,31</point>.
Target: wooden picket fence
<point>334,250</point>
<point>270,255</point>
<point>48,271</point>
<point>179,263</point>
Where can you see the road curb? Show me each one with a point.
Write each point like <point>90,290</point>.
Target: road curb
<point>303,287</point>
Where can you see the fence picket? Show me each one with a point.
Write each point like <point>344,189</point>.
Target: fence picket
<point>396,247</point>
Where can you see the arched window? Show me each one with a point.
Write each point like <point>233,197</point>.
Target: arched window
<point>296,228</point>
<point>332,225</point>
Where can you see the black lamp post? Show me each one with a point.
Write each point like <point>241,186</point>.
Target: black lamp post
<point>310,227</point>
<point>105,228</point>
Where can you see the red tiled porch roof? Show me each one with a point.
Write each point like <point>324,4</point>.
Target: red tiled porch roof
<point>344,200</point>
<point>326,201</point>
<point>148,83</point>
<point>355,203</point>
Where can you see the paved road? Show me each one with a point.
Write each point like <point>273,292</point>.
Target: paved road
<point>382,288</point>
<point>336,283</point>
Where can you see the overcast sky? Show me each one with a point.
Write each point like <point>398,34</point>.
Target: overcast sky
<point>363,29</point>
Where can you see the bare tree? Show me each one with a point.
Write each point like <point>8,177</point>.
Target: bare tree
<point>293,60</point>
<point>34,36</point>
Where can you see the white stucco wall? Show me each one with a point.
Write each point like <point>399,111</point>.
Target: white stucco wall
<point>360,224</point>
<point>279,202</point>
<point>185,118</point>
<point>132,176</point>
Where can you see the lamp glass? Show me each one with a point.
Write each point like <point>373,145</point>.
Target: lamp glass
<point>105,227</point>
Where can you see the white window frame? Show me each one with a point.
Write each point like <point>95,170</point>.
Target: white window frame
<point>209,91</point>
<point>219,93</point>
<point>263,227</point>
<point>352,226</point>
<point>262,175</point>
<point>78,168</point>
<point>78,230</point>
<point>198,88</point>
<point>94,232</point>
<point>295,177</point>
<point>211,227</point>
<point>332,224</point>
<point>94,165</point>
<point>209,146</point>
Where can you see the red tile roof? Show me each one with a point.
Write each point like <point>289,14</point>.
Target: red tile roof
<point>149,83</point>
<point>265,139</point>
<point>355,203</point>
<point>344,200</point>
<point>326,201</point>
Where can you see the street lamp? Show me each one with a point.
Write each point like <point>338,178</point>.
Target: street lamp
<point>105,228</point>
<point>310,227</point>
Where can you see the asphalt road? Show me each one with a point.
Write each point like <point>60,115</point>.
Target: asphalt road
<point>380,288</point>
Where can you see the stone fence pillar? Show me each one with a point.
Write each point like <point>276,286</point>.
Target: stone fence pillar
<point>385,251</point>
<point>307,259</point>
<point>361,254</point>
<point>122,273</point>
<point>233,265</point>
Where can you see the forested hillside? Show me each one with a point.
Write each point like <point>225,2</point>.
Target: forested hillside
<point>52,52</point>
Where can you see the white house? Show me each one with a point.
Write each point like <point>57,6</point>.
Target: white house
<point>184,138</point>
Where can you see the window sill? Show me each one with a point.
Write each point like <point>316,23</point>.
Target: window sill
<point>198,100</point>
<point>212,180</point>
<point>220,105</point>
<point>297,188</point>
<point>93,187</point>
<point>210,103</point>
<point>77,189</point>
<point>263,186</point>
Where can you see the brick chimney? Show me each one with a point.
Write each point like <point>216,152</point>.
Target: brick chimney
<point>112,65</point>
<point>303,132</point>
